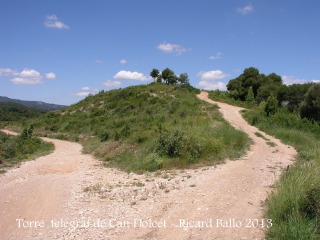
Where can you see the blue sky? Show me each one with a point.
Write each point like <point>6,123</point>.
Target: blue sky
<point>59,51</point>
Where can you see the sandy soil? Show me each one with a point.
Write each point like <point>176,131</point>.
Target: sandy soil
<point>71,196</point>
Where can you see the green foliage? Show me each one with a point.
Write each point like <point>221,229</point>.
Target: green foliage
<point>302,98</point>
<point>154,73</point>
<point>122,127</point>
<point>262,107</point>
<point>271,106</point>
<point>170,144</point>
<point>27,132</point>
<point>10,111</point>
<point>249,78</point>
<point>310,107</point>
<point>294,206</point>
<point>227,97</point>
<point>250,95</point>
<point>168,75</point>
<point>104,136</point>
<point>159,78</point>
<point>14,149</point>
<point>183,78</point>
<point>262,86</point>
<point>268,89</point>
<point>295,95</point>
<point>234,94</point>
<point>258,134</point>
<point>35,105</point>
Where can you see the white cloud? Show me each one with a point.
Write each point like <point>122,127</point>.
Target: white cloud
<point>85,91</point>
<point>30,73</point>
<point>212,75</point>
<point>50,75</point>
<point>208,85</point>
<point>26,76</point>
<point>123,61</point>
<point>128,75</point>
<point>82,94</point>
<point>246,9</point>
<point>53,22</point>
<point>169,48</point>
<point>31,81</point>
<point>216,56</point>
<point>8,72</point>
<point>110,83</point>
<point>207,80</point>
<point>289,80</point>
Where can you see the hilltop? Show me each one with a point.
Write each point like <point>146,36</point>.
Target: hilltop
<point>146,128</point>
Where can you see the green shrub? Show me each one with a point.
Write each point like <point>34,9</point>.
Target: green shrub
<point>170,144</point>
<point>104,136</point>
<point>271,106</point>
<point>311,206</point>
<point>14,149</point>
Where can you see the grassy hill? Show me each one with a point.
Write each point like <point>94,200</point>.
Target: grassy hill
<point>145,128</point>
<point>33,104</point>
<point>10,111</point>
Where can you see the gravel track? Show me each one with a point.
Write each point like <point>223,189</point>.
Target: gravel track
<point>68,187</point>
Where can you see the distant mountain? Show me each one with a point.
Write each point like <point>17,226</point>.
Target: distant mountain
<point>10,111</point>
<point>34,104</point>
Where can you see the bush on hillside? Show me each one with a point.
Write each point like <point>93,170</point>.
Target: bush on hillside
<point>13,149</point>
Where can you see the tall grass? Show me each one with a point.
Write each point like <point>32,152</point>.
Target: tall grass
<point>146,128</point>
<point>295,205</point>
<point>15,149</point>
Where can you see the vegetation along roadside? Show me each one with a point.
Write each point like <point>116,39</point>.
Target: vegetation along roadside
<point>15,149</point>
<point>290,113</point>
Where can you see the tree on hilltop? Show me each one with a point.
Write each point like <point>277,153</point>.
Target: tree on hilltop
<point>183,78</point>
<point>167,74</point>
<point>154,73</point>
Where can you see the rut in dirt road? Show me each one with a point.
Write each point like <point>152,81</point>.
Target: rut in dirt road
<point>197,204</point>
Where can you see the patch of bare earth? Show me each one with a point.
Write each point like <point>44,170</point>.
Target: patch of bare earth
<point>76,198</point>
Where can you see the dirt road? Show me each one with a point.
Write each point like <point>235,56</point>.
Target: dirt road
<point>73,197</point>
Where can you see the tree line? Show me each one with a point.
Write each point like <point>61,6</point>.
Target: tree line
<point>270,91</point>
<point>168,76</point>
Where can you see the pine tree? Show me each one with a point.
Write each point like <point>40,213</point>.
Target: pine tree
<point>271,105</point>
<point>250,95</point>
